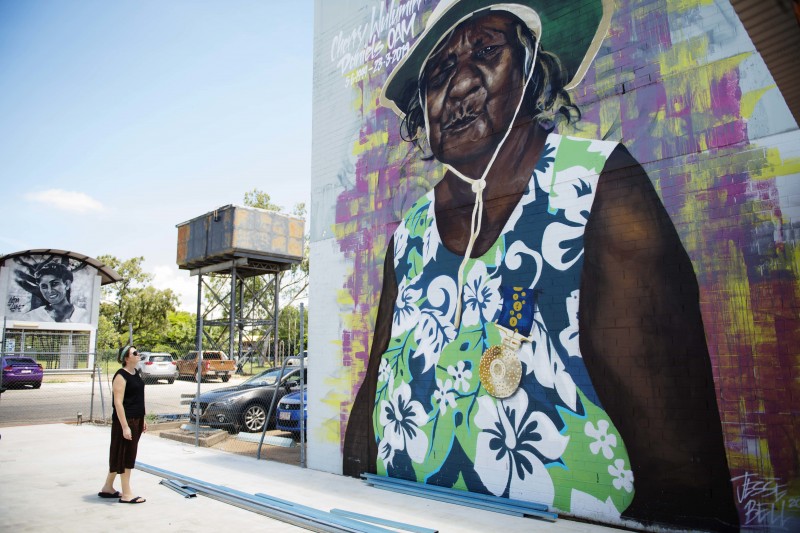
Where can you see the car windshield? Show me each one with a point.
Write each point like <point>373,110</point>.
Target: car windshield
<point>267,377</point>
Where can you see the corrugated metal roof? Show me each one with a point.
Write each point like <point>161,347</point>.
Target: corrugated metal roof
<point>107,274</point>
<point>774,27</point>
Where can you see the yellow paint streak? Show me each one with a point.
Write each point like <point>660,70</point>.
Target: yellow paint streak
<point>373,140</point>
<point>344,298</point>
<point>683,56</point>
<point>344,229</point>
<point>775,166</point>
<point>680,6</point>
<point>749,100</point>
<point>330,431</point>
<point>605,83</point>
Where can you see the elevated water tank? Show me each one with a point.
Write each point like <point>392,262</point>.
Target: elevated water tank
<point>234,232</point>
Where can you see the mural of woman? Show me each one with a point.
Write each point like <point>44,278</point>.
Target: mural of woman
<point>53,282</point>
<point>538,334</point>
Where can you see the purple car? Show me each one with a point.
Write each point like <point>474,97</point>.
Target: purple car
<point>20,371</point>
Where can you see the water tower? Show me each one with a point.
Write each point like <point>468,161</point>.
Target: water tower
<point>238,255</point>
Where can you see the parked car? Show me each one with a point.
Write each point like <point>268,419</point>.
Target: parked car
<point>19,371</point>
<point>157,365</point>
<point>289,413</point>
<point>215,364</point>
<point>244,407</point>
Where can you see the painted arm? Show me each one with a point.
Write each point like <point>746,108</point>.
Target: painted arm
<point>643,342</point>
<point>360,451</point>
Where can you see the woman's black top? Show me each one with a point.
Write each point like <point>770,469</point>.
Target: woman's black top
<point>133,401</point>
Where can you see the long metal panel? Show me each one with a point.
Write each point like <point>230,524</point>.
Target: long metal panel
<point>294,514</point>
<point>373,478</point>
<point>415,489</point>
<point>447,499</point>
<point>383,521</point>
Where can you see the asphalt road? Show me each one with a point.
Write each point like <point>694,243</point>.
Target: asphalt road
<point>61,401</point>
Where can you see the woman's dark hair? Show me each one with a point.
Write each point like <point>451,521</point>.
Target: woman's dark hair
<point>124,352</point>
<point>57,270</point>
<point>54,269</point>
<point>546,100</point>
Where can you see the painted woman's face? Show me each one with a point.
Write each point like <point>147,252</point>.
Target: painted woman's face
<point>472,87</point>
<point>53,289</point>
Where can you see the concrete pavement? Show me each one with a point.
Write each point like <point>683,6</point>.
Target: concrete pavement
<point>50,476</point>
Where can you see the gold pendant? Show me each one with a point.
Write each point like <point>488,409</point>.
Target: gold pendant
<point>500,369</point>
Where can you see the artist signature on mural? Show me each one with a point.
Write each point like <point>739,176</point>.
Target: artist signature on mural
<point>765,501</point>
<point>14,304</point>
<point>378,44</point>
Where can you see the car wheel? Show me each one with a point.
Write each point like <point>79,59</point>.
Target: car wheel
<point>170,381</point>
<point>37,385</point>
<point>225,378</point>
<point>254,418</point>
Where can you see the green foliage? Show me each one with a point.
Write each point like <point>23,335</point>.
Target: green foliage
<point>289,330</point>
<point>182,328</point>
<point>108,340</point>
<point>134,302</point>
<point>261,200</point>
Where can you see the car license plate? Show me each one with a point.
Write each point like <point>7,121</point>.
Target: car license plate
<point>26,372</point>
<point>285,415</point>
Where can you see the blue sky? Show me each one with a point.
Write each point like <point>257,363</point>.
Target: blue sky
<point>121,119</point>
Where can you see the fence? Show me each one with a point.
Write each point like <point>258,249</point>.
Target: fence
<point>73,392</point>
<point>52,349</point>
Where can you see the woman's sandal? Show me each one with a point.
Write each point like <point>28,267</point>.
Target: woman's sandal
<point>137,499</point>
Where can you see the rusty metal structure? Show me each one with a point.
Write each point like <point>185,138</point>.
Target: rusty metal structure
<point>238,255</point>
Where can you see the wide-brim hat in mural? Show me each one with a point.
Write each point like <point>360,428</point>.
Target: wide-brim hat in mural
<point>571,29</point>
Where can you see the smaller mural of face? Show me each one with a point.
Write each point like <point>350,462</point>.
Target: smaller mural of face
<point>472,85</point>
<point>53,289</point>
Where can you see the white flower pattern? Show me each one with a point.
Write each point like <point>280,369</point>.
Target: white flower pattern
<point>384,372</point>
<point>401,419</point>
<point>602,440</point>
<point>461,374</point>
<point>569,336</point>
<point>443,395</point>
<point>504,458</point>
<point>432,334</point>
<point>406,311</point>
<point>481,295</point>
<point>623,479</point>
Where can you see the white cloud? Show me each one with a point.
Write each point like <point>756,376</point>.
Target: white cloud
<point>181,283</point>
<point>76,202</point>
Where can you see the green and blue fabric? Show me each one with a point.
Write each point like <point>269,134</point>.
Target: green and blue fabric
<point>551,441</point>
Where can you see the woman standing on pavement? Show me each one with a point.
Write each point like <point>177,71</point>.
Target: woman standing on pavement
<point>127,425</point>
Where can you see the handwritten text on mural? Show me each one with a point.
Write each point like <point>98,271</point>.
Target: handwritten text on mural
<point>14,304</point>
<point>376,45</point>
<point>764,501</point>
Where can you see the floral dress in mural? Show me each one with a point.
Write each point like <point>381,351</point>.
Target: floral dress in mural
<point>435,422</point>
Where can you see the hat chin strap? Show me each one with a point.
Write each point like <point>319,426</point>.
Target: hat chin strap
<point>478,185</point>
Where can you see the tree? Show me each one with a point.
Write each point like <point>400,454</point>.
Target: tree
<point>261,200</point>
<point>116,295</point>
<point>133,302</point>
<point>182,327</point>
<point>289,330</point>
